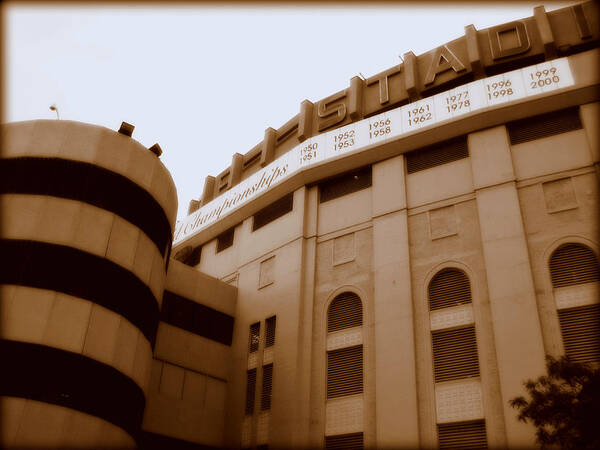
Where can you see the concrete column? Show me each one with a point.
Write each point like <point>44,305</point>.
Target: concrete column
<point>395,373</point>
<point>301,435</point>
<point>515,319</point>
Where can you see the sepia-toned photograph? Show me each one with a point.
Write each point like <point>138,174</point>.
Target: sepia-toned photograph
<point>307,225</point>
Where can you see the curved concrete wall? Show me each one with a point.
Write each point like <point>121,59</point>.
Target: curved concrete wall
<point>86,229</point>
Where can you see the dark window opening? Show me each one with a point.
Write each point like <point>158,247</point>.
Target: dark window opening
<point>254,337</point>
<point>270,332</point>
<point>225,239</point>
<point>196,318</point>
<point>267,386</point>
<point>274,211</point>
<point>250,391</point>
<point>345,184</point>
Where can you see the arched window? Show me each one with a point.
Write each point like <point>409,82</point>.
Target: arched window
<point>345,311</point>
<point>454,346</point>
<point>572,265</point>
<point>344,359</point>
<point>449,287</point>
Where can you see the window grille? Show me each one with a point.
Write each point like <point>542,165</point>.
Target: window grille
<point>267,386</point>
<point>580,327</point>
<point>345,371</point>
<point>449,287</point>
<point>463,435</point>
<point>345,184</point>
<point>254,337</point>
<point>544,125</point>
<point>345,311</point>
<point>437,154</point>
<point>352,441</point>
<point>270,332</point>
<point>455,353</point>
<point>250,390</point>
<point>225,239</point>
<point>572,264</point>
<point>273,212</point>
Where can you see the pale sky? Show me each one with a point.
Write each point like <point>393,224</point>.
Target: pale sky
<point>205,81</point>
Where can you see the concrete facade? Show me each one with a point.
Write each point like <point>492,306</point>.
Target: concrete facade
<point>496,214</point>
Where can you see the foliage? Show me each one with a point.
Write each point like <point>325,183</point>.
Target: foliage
<point>564,405</point>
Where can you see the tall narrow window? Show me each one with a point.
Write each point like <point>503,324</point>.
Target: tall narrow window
<point>455,356</point>
<point>344,364</point>
<point>270,332</point>
<point>254,337</point>
<point>250,391</point>
<point>267,386</point>
<point>571,266</point>
<point>455,345</point>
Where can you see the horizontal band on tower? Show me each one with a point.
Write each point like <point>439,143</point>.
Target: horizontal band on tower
<point>80,274</point>
<point>89,183</point>
<point>64,378</point>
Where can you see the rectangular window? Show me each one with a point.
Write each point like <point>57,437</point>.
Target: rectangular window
<point>225,239</point>
<point>462,435</point>
<point>267,386</point>
<point>544,125</point>
<point>254,337</point>
<point>250,390</point>
<point>274,211</point>
<point>351,441</point>
<point>437,154</point>
<point>345,184</point>
<point>580,328</point>
<point>270,333</point>
<point>455,354</point>
<point>345,371</point>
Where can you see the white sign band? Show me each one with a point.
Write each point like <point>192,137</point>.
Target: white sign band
<point>431,111</point>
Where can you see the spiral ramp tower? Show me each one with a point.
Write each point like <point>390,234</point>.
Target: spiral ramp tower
<point>86,229</point>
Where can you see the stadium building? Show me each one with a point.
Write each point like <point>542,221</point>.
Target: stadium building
<point>384,270</point>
